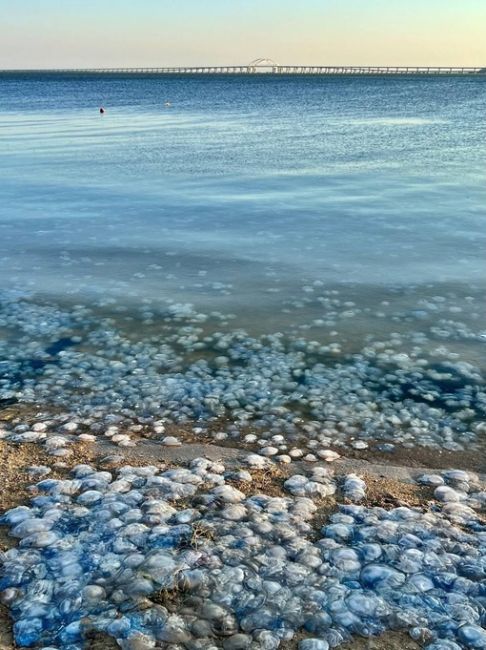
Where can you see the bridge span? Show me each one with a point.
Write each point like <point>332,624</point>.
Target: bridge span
<point>268,66</point>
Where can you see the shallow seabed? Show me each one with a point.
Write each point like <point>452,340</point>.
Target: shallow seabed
<point>420,386</point>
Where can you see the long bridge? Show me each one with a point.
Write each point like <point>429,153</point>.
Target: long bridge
<point>267,66</point>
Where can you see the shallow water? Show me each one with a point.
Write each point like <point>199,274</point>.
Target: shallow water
<point>346,211</point>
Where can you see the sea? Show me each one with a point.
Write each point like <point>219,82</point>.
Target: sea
<point>336,213</point>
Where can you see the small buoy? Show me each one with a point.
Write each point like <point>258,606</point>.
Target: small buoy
<point>102,110</point>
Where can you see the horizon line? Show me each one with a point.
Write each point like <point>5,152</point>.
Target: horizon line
<point>246,66</point>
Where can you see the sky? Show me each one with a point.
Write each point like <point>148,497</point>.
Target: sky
<point>134,33</point>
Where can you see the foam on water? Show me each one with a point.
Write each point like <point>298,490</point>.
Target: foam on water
<point>397,121</point>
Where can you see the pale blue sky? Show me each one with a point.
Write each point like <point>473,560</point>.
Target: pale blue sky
<point>67,33</point>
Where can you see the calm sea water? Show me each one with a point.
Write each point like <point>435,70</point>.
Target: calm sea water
<point>345,215</point>
<point>245,195</point>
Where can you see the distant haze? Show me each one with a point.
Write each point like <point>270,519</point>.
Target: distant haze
<point>89,33</point>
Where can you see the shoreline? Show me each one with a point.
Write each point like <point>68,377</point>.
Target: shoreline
<point>407,461</point>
